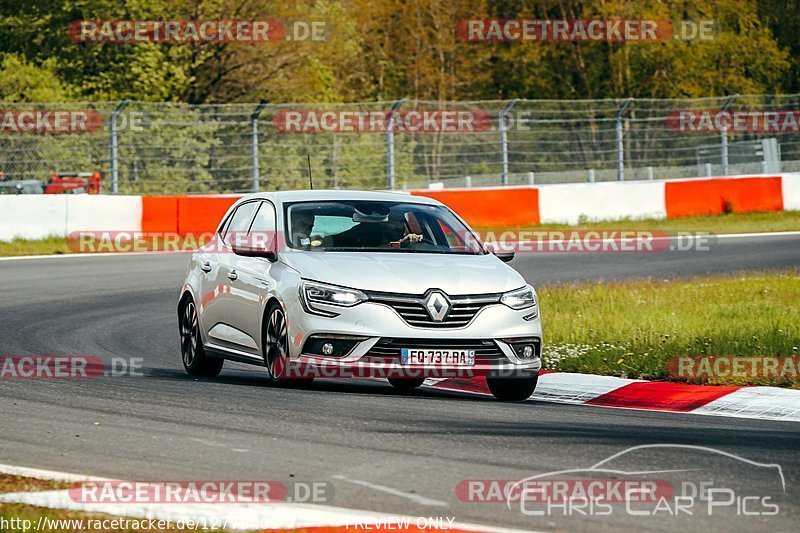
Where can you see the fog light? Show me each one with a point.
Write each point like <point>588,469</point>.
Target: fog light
<point>527,348</point>
<point>331,345</point>
<point>527,351</point>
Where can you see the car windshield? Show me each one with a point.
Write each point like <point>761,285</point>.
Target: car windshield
<point>357,226</point>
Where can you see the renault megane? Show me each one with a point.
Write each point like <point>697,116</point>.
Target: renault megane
<point>345,283</point>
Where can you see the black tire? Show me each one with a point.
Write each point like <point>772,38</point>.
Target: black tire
<point>406,383</point>
<point>276,348</point>
<point>512,389</point>
<point>193,354</point>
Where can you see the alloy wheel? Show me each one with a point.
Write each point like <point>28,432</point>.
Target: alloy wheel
<point>189,334</point>
<point>277,344</point>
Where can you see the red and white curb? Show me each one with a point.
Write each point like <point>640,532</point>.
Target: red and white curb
<point>235,516</point>
<point>765,403</point>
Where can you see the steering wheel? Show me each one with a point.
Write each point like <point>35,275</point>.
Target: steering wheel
<point>425,240</point>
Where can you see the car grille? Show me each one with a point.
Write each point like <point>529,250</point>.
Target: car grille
<point>387,350</point>
<point>412,308</point>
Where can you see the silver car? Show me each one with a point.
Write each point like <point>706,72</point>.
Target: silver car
<point>316,284</point>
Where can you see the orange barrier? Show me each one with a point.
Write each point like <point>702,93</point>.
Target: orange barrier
<point>200,214</point>
<point>723,195</point>
<point>494,207</point>
<point>184,214</point>
<point>507,206</point>
<point>160,214</point>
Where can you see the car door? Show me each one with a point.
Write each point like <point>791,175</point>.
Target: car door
<point>250,289</point>
<point>223,274</point>
<point>209,260</point>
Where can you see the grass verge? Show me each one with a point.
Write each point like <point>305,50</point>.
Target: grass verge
<point>634,328</point>
<point>49,246</point>
<point>22,517</point>
<point>9,483</point>
<point>728,223</point>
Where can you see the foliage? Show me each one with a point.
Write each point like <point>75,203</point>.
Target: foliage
<point>384,50</point>
<point>377,51</point>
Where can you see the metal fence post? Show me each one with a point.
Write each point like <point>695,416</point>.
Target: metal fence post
<point>390,144</point>
<point>620,144</point>
<point>113,143</point>
<point>504,141</point>
<point>254,140</point>
<point>724,138</point>
<point>531,179</point>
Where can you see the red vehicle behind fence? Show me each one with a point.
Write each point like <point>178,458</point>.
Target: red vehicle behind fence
<point>74,183</point>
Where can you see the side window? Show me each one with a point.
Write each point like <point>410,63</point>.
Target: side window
<point>240,220</point>
<point>224,227</point>
<point>262,231</point>
<point>453,239</point>
<point>412,222</point>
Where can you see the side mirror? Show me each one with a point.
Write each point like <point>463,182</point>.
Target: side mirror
<point>504,255</point>
<point>254,250</point>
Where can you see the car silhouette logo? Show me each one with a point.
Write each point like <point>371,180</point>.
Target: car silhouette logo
<point>437,305</point>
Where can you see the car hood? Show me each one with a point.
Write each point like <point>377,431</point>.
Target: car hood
<point>410,273</point>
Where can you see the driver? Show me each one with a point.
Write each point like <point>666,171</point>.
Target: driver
<point>396,233</point>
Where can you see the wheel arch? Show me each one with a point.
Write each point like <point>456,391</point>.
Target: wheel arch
<point>263,327</point>
<point>186,293</point>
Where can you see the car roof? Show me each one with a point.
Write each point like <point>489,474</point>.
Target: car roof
<point>310,196</point>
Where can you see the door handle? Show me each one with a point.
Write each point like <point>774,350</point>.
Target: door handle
<point>206,267</point>
<point>232,275</point>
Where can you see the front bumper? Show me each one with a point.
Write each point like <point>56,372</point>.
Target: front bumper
<point>379,334</point>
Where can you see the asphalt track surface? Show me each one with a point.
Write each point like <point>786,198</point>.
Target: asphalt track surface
<point>378,449</point>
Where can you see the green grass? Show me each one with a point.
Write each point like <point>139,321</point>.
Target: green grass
<point>632,328</point>
<point>18,515</point>
<point>49,246</point>
<point>728,223</point>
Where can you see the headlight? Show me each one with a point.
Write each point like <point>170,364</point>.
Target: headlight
<point>520,298</point>
<point>313,292</point>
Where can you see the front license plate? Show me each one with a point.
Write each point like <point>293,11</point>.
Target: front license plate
<point>411,356</point>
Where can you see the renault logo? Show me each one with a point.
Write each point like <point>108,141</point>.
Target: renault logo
<point>437,305</point>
